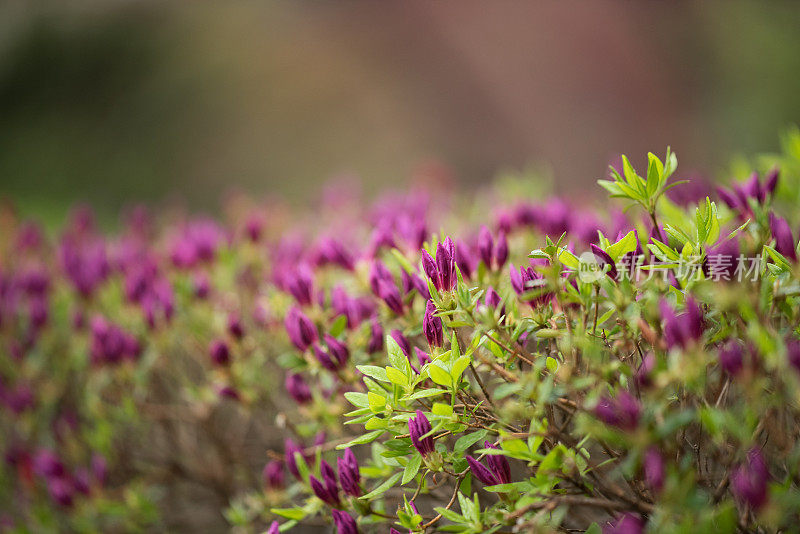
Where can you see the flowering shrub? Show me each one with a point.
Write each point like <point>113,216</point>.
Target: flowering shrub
<point>538,366</point>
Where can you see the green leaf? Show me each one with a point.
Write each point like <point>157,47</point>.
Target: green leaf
<point>412,467</point>
<point>359,400</point>
<point>465,442</point>
<point>439,375</point>
<point>373,371</point>
<point>296,514</point>
<point>430,392</point>
<point>381,489</point>
<point>376,402</point>
<point>396,377</point>
<point>366,438</point>
<point>623,246</point>
<point>458,367</point>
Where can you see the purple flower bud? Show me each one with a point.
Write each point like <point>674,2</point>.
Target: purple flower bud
<point>464,260</point>
<point>301,330</point>
<point>654,469</point>
<point>349,475</point>
<point>446,264</point>
<point>274,528</point>
<point>730,199</point>
<point>642,376</point>
<point>226,391</point>
<point>681,330</point>
<point>605,260</point>
<point>235,327</point>
<point>526,280</point>
<point>389,293</point>
<point>481,472</point>
<point>429,267</point>
<point>492,299</point>
<point>80,481</point>
<point>60,491</point>
<point>272,475</point>
<point>376,337</point>
<point>290,448</point>
<point>731,358</point>
<point>417,428</point>
<point>322,492</point>
<point>721,260</point>
<point>253,227</point>
<point>432,326</point>
<point>301,284</point>
<point>422,356</point>
<point>332,251</point>
<point>345,524</point>
<point>325,359</point>
<point>627,524</point>
<point>219,352</point>
<point>337,349</point>
<point>749,481</point>
<point>486,246</point>
<point>297,388</point>
<point>622,411</point>
<point>401,340</point>
<point>501,250</point>
<point>202,286</point>
<point>771,181</point>
<point>752,188</point>
<point>498,464</point>
<point>47,465</point>
<point>784,241</point>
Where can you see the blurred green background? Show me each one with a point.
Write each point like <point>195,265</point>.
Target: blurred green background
<point>113,103</point>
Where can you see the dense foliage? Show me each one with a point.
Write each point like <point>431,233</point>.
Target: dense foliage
<point>429,363</point>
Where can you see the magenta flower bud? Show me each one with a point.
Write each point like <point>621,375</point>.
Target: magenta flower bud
<point>654,469</point>
<point>432,326</point>
<point>501,250</point>
<point>492,299</point>
<point>749,481</point>
<point>201,285</point>
<point>349,475</point>
<point>422,356</point>
<point>272,475</point>
<point>60,491</point>
<point>274,528</point>
<point>771,181</point>
<point>297,388</point>
<point>47,465</point>
<point>376,337</point>
<point>344,522</point>
<point>235,327</point>
<point>80,481</point>
<point>325,359</point>
<point>429,267</point>
<point>627,524</point>
<point>417,428</point>
<point>464,260</point>
<point>328,489</point>
<point>337,349</point>
<point>253,227</point>
<point>219,352</point>
<point>721,260</point>
<point>681,330</point>
<point>486,246</point>
<point>301,330</point>
<point>498,465</point>
<point>401,340</point>
<point>730,199</point>
<point>446,264</point>
<point>481,472</point>
<point>784,241</point>
<point>752,188</point>
<point>301,285</point>
<point>389,293</point>
<point>378,273</point>
<point>332,251</point>
<point>527,280</point>
<point>290,448</point>
<point>604,260</point>
<point>731,358</point>
<point>226,391</point>
<point>622,411</point>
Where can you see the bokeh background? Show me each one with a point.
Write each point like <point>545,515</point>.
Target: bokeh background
<point>118,102</point>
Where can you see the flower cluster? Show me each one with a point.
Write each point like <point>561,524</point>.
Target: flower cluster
<point>349,366</point>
